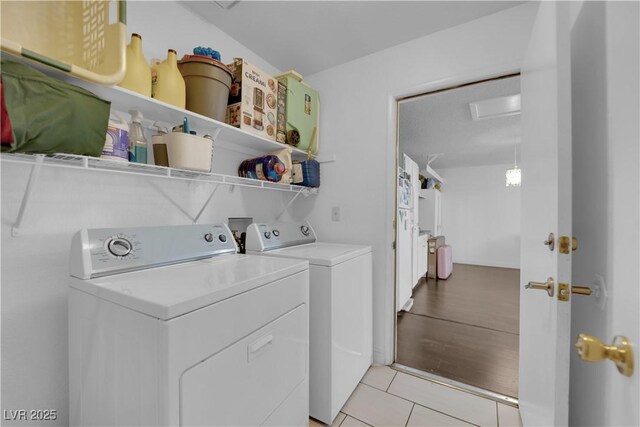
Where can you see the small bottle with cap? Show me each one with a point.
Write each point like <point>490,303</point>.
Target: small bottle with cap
<point>137,140</point>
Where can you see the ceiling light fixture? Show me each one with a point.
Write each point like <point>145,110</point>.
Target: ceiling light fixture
<point>514,176</point>
<point>496,107</point>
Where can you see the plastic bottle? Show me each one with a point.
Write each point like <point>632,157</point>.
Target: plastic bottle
<point>266,168</point>
<point>137,140</point>
<point>137,75</point>
<point>116,144</point>
<point>159,147</point>
<point>168,84</point>
<point>285,156</point>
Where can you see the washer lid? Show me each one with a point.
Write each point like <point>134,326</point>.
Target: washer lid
<point>325,254</point>
<point>171,291</point>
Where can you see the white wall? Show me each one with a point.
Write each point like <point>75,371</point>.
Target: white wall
<point>358,127</point>
<point>167,25</point>
<point>35,267</point>
<point>605,70</point>
<point>481,216</point>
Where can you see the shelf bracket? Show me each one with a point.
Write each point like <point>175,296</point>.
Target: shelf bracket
<point>26,198</point>
<point>215,134</point>
<point>291,201</point>
<point>195,220</point>
<point>331,159</point>
<point>170,199</point>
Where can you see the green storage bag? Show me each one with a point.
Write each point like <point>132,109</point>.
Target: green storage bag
<point>50,116</point>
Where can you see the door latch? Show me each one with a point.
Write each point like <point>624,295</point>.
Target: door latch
<point>547,286</point>
<point>565,290</point>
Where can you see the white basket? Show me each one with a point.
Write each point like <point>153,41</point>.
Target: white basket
<point>190,152</point>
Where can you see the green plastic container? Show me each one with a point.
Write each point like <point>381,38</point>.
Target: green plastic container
<point>303,104</point>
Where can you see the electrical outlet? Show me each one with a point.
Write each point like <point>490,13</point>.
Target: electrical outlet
<point>335,213</point>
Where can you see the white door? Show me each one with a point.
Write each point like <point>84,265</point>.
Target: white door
<point>545,322</point>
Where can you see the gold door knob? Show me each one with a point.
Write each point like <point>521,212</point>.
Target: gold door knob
<point>591,349</point>
<point>547,286</point>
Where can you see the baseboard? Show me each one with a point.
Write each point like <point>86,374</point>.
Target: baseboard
<point>486,264</point>
<point>378,356</point>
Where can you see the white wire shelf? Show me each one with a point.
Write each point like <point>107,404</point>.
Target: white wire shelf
<point>72,161</point>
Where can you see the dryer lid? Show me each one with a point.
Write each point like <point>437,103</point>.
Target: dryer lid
<point>170,291</point>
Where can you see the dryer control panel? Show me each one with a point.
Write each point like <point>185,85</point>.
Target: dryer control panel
<point>264,237</point>
<point>103,251</point>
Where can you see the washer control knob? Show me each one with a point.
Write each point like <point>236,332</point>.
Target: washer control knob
<point>208,237</point>
<point>276,233</point>
<point>305,230</point>
<point>222,238</point>
<point>267,234</point>
<point>119,246</point>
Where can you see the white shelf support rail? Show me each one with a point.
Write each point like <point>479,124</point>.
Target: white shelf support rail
<point>171,200</point>
<point>28,192</point>
<point>302,190</point>
<point>204,206</point>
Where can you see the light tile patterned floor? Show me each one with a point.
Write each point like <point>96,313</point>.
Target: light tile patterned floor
<point>386,398</point>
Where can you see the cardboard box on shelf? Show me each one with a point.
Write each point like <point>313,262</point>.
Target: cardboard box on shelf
<point>252,102</point>
<point>281,129</point>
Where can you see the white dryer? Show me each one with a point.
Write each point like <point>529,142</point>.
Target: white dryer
<point>340,315</point>
<point>169,326</point>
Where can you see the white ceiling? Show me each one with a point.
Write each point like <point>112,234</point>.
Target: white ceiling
<point>441,123</point>
<point>311,36</point>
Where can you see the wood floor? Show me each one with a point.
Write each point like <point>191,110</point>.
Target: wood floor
<point>465,328</point>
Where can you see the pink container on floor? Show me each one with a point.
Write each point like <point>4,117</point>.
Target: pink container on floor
<point>445,262</point>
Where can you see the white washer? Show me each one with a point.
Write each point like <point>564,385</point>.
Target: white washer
<point>340,315</point>
<point>169,326</point>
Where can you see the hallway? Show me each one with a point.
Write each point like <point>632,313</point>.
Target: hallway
<point>465,328</point>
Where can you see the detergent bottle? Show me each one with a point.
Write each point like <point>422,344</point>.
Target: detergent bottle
<point>168,84</point>
<point>137,75</point>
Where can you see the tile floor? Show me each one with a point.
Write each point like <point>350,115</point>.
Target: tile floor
<point>386,397</point>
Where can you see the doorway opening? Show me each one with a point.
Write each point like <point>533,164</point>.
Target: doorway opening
<point>458,236</point>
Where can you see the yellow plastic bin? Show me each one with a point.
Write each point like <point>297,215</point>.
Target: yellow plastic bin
<point>72,36</point>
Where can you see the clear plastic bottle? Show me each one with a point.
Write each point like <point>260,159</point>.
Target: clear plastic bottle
<point>137,140</point>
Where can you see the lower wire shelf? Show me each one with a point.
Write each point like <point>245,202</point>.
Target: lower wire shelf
<point>77,162</point>
<point>73,161</point>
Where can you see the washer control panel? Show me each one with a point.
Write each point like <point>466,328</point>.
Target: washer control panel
<point>103,251</point>
<point>263,237</point>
